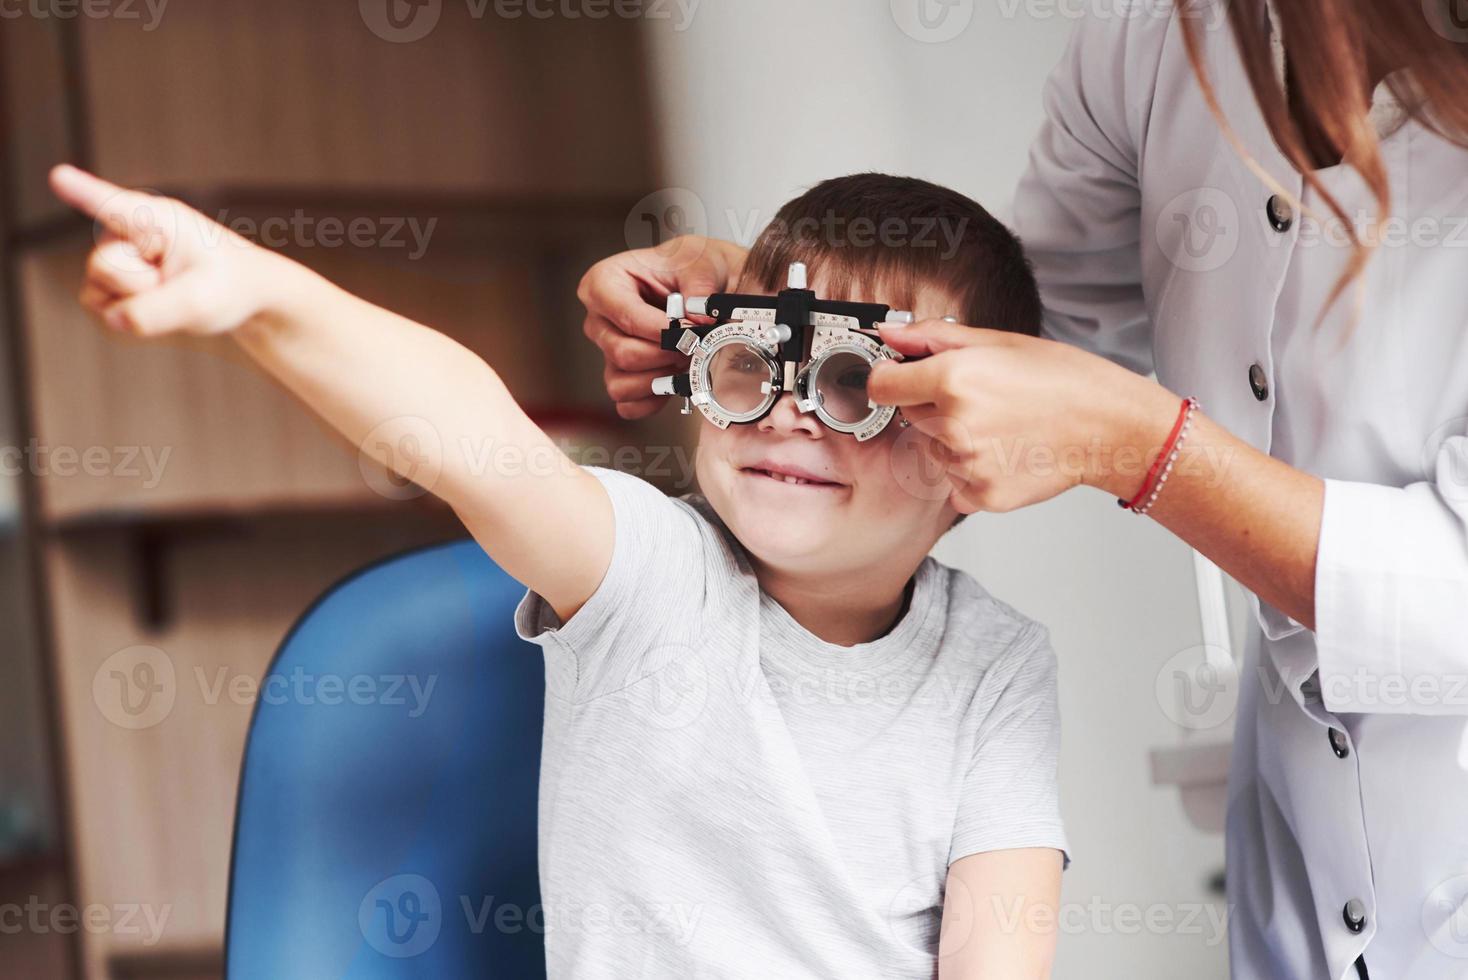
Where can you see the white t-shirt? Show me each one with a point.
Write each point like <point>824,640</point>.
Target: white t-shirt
<point>723,794</point>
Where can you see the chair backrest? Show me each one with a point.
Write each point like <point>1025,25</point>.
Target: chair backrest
<point>386,823</point>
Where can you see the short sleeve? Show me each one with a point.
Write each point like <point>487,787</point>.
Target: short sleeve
<point>648,606</point>
<point>1011,795</point>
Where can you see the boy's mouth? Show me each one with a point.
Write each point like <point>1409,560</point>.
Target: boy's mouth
<point>790,475</point>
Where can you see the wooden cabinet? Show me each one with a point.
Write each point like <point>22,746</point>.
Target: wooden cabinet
<point>280,93</point>
<point>180,501</point>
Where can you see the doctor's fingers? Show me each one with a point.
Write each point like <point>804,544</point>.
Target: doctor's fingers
<point>955,437</point>
<point>935,380</point>
<point>631,386</point>
<point>624,352</point>
<point>969,498</point>
<point>935,336</point>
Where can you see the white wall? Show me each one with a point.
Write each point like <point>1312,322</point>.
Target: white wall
<point>800,90</point>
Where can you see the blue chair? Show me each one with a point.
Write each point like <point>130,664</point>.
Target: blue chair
<point>383,829</point>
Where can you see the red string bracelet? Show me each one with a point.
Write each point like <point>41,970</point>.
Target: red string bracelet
<point>1162,466</point>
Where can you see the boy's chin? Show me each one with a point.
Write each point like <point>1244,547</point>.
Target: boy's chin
<point>783,541</point>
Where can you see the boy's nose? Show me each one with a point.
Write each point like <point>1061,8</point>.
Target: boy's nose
<point>786,419</point>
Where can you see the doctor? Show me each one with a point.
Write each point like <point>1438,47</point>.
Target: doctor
<point>1270,210</point>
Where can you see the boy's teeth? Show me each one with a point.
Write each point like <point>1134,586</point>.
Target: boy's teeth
<point>786,478</point>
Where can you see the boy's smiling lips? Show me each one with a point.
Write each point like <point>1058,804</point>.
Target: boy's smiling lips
<point>789,474</point>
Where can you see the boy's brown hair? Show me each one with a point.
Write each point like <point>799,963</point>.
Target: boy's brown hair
<point>897,235</point>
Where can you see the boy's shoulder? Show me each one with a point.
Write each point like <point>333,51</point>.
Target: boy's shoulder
<point>638,503</point>
<point>979,629</point>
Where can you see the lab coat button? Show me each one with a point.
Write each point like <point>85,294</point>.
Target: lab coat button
<point>1259,382</point>
<point>1355,915</point>
<point>1281,214</point>
<point>1339,743</point>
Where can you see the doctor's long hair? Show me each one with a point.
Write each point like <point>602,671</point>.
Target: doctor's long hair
<point>1333,50</point>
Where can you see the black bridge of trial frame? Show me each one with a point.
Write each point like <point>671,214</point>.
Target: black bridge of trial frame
<point>793,307</point>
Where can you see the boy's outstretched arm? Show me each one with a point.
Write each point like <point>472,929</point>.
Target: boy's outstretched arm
<point>383,381</point>
<point>1001,915</point>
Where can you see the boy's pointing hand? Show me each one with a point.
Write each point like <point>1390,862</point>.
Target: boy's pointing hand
<point>159,266</point>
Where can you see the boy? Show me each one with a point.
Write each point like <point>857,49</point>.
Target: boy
<point>780,741</point>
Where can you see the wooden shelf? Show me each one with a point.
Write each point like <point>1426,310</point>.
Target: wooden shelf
<point>460,218</point>
<point>221,515</point>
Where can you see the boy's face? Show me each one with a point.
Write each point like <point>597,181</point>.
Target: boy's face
<point>878,501</point>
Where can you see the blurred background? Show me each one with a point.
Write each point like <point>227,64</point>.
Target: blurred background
<point>463,161</point>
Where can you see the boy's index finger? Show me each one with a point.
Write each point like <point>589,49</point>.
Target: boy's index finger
<point>122,212</point>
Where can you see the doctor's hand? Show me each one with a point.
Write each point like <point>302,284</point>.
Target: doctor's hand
<point>625,296</point>
<point>160,267</point>
<point>1018,419</point>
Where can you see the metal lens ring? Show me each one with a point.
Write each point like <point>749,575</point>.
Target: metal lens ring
<point>833,384</point>
<point>734,375</point>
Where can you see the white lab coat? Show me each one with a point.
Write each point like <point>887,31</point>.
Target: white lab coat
<point>1154,245</point>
